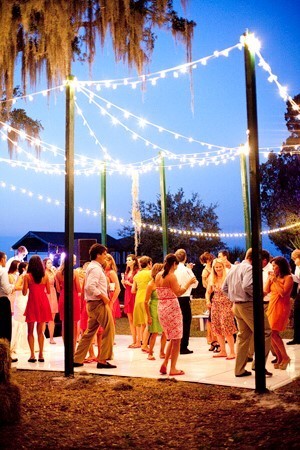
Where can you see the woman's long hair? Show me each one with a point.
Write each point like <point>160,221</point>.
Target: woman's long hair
<point>157,267</point>
<point>213,276</point>
<point>13,266</point>
<point>135,267</point>
<point>170,259</point>
<point>284,268</point>
<point>110,263</point>
<point>36,268</point>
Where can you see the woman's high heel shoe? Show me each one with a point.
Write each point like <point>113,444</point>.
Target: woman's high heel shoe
<point>284,365</point>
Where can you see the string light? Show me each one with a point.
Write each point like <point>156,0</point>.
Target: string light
<point>143,122</point>
<point>152,227</point>
<point>153,77</point>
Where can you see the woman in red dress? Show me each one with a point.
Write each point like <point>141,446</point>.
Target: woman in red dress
<point>132,267</point>
<point>60,285</point>
<point>279,285</point>
<point>38,307</point>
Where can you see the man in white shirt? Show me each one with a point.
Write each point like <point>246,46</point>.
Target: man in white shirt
<point>296,277</point>
<point>22,252</point>
<point>183,274</point>
<point>99,312</point>
<point>5,311</point>
<point>224,255</point>
<point>238,286</point>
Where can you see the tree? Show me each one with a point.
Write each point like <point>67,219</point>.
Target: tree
<point>17,118</point>
<point>280,186</point>
<point>49,34</point>
<point>182,214</point>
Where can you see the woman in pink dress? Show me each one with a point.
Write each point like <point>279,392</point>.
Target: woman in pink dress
<point>132,267</point>
<point>222,318</point>
<point>169,312</point>
<point>38,307</point>
<point>50,272</point>
<point>111,271</point>
<point>60,285</point>
<point>279,284</point>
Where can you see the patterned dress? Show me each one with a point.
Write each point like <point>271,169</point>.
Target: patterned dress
<point>155,327</point>
<point>279,308</point>
<point>169,313</point>
<point>222,317</point>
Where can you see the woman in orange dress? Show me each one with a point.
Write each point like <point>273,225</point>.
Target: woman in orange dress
<point>279,285</point>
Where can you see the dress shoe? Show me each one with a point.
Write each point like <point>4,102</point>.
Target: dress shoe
<point>249,359</point>
<point>13,360</point>
<point>244,374</point>
<point>32,360</point>
<point>105,366</point>
<point>267,373</point>
<point>292,342</point>
<point>186,351</point>
<point>76,364</point>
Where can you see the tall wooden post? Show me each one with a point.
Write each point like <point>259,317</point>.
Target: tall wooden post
<point>163,200</point>
<point>259,330</point>
<point>245,197</point>
<point>103,206</point>
<point>69,228</point>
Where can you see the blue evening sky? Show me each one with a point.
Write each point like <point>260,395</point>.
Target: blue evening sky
<point>219,118</point>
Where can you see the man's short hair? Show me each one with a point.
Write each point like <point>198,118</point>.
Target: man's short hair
<point>180,254</point>
<point>249,254</point>
<point>96,249</point>
<point>144,261</point>
<point>265,255</point>
<point>23,249</point>
<point>224,253</point>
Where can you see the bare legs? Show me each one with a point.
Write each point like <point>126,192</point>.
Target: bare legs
<point>279,348</point>
<point>40,327</point>
<point>51,326</point>
<point>75,331</point>
<point>173,353</point>
<point>221,341</point>
<point>132,330</point>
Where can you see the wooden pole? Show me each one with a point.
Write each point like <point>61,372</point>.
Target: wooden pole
<point>163,200</point>
<point>103,206</point>
<point>69,228</point>
<point>259,329</point>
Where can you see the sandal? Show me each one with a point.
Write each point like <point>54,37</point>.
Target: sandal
<point>180,372</point>
<point>151,357</point>
<point>163,370</point>
<point>213,345</point>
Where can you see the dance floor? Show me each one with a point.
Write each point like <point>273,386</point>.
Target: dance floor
<point>199,367</point>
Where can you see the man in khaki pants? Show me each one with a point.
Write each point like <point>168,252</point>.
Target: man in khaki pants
<point>99,312</point>
<point>238,286</point>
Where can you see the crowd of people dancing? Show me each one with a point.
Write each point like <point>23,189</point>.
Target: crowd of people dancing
<point>157,301</point>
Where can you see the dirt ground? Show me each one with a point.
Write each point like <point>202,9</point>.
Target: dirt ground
<point>100,412</point>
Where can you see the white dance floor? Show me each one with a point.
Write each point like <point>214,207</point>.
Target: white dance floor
<point>199,367</point>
